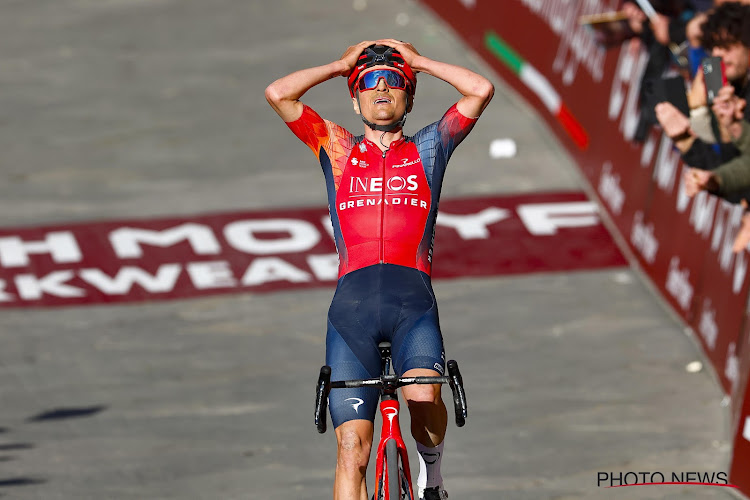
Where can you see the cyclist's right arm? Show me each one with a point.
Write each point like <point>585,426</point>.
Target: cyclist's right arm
<point>284,94</point>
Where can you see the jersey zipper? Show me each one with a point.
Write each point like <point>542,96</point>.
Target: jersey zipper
<point>382,213</point>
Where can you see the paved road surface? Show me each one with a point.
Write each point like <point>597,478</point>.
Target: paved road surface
<point>143,108</point>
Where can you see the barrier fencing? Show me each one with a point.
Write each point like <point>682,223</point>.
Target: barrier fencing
<point>589,96</point>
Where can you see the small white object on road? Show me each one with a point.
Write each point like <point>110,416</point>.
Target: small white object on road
<point>624,278</point>
<point>503,148</point>
<point>694,367</point>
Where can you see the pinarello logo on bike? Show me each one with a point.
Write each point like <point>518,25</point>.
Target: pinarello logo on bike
<point>391,413</point>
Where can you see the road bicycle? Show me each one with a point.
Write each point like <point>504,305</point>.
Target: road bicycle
<point>392,475</point>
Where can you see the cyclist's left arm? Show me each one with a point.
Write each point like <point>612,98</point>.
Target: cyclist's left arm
<point>477,91</point>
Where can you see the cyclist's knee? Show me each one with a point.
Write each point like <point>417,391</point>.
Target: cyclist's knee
<point>422,394</point>
<point>352,441</point>
<point>354,444</point>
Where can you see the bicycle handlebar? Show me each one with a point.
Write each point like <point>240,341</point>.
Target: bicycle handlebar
<point>453,379</point>
<point>384,380</point>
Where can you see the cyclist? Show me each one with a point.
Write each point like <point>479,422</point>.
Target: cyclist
<point>383,191</point>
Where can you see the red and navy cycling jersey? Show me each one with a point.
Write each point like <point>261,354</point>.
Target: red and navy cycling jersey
<point>383,205</point>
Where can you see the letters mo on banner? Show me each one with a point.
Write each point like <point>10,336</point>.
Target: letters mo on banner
<point>172,258</point>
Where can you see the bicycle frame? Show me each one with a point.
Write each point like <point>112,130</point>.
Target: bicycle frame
<point>389,411</point>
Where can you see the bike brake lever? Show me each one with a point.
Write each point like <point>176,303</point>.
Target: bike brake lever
<point>456,383</point>
<point>321,398</point>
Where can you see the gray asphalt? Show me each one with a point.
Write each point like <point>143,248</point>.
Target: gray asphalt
<point>144,108</point>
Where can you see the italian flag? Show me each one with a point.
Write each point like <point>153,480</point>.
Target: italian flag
<point>537,83</point>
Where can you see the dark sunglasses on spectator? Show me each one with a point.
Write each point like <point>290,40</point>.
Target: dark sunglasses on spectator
<point>393,79</point>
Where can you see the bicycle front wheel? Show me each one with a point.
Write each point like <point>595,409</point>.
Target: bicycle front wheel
<point>391,462</point>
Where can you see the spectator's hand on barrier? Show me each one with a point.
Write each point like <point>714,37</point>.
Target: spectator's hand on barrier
<point>743,235</point>
<point>696,96</point>
<point>660,27</point>
<point>351,55</point>
<point>635,15</point>
<point>697,180</point>
<point>675,124</point>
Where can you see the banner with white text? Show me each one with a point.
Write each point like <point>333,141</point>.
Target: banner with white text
<point>168,258</point>
<point>589,96</point>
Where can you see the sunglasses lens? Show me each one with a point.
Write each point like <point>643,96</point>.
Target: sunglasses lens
<point>393,79</point>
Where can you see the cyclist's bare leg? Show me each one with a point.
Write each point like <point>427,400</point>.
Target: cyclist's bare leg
<point>354,444</point>
<point>429,418</point>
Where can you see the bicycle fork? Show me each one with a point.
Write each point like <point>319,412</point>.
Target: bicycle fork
<point>389,411</point>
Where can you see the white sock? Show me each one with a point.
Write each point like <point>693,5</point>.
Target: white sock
<point>429,466</point>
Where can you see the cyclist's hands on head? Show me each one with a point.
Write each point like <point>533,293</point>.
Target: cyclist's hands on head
<point>351,55</point>
<point>407,50</point>
<point>476,90</point>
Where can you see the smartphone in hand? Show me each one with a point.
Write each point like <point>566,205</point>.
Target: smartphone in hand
<point>714,76</point>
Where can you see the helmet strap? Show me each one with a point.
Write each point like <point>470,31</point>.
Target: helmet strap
<point>385,128</point>
<point>382,128</point>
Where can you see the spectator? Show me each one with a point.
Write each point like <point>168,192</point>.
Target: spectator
<point>726,34</point>
<point>668,25</point>
<point>664,35</point>
<point>734,175</point>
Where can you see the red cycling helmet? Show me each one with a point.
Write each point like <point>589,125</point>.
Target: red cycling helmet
<point>381,55</point>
